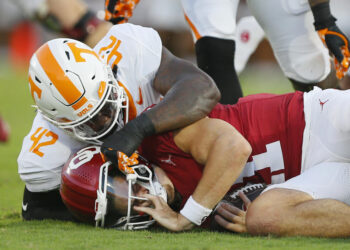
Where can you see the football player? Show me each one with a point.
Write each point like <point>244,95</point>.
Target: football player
<point>288,25</point>
<point>72,18</point>
<point>297,47</point>
<point>299,146</point>
<point>77,88</point>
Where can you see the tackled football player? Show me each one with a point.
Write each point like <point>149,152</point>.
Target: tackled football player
<point>298,144</point>
<point>76,88</point>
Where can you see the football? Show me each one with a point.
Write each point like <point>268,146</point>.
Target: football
<point>252,191</point>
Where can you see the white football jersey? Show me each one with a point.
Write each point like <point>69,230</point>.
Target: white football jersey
<point>137,53</point>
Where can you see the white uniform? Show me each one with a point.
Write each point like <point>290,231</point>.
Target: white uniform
<point>325,169</point>
<point>137,53</point>
<point>288,25</point>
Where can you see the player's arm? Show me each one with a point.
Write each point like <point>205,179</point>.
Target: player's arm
<point>224,152</point>
<point>332,36</point>
<point>189,95</point>
<point>73,19</point>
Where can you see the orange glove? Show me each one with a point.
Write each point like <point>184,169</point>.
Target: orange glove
<point>119,11</point>
<point>338,45</point>
<point>124,162</point>
<point>336,42</point>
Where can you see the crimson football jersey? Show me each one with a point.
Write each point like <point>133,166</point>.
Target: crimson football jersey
<point>273,125</point>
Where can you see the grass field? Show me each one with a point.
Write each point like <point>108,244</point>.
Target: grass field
<point>15,102</point>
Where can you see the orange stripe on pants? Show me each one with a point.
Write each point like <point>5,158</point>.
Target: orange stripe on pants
<point>193,28</point>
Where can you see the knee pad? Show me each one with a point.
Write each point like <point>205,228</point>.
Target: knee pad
<point>309,68</point>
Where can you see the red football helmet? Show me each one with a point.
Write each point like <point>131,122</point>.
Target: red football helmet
<point>94,195</point>
<point>80,181</point>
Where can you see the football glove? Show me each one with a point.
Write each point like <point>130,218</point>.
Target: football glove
<point>334,39</point>
<point>127,139</point>
<point>119,11</point>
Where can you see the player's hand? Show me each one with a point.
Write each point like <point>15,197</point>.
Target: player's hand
<point>338,44</point>
<point>231,217</point>
<point>164,215</point>
<point>119,142</point>
<point>119,11</point>
<point>127,139</point>
<point>125,163</point>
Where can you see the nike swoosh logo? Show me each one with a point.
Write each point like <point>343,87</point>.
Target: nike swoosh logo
<point>24,207</point>
<point>140,101</point>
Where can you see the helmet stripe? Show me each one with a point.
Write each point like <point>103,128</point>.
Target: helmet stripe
<point>58,78</point>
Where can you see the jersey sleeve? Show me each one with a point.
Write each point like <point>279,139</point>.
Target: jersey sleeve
<point>44,151</point>
<point>133,48</point>
<point>136,51</point>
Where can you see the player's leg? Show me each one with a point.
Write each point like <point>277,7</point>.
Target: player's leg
<point>213,27</point>
<point>316,203</point>
<point>44,151</point>
<point>44,205</point>
<point>288,26</point>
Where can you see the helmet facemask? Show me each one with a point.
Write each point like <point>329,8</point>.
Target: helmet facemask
<point>142,176</point>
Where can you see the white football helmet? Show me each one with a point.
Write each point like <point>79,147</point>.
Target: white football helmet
<point>76,91</point>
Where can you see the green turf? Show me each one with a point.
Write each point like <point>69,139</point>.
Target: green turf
<point>15,102</point>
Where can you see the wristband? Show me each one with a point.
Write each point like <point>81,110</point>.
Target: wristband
<point>128,138</point>
<point>195,212</point>
<point>85,26</point>
<point>322,15</point>
<point>144,125</point>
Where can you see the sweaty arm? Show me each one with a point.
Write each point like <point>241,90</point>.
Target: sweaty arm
<point>72,18</point>
<point>189,95</point>
<point>223,151</point>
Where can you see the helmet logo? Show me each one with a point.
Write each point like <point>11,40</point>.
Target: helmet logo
<point>83,156</point>
<point>78,51</point>
<point>85,110</point>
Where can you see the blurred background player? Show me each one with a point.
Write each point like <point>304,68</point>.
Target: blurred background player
<point>288,26</point>
<point>297,47</point>
<point>74,19</point>
<point>4,130</point>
